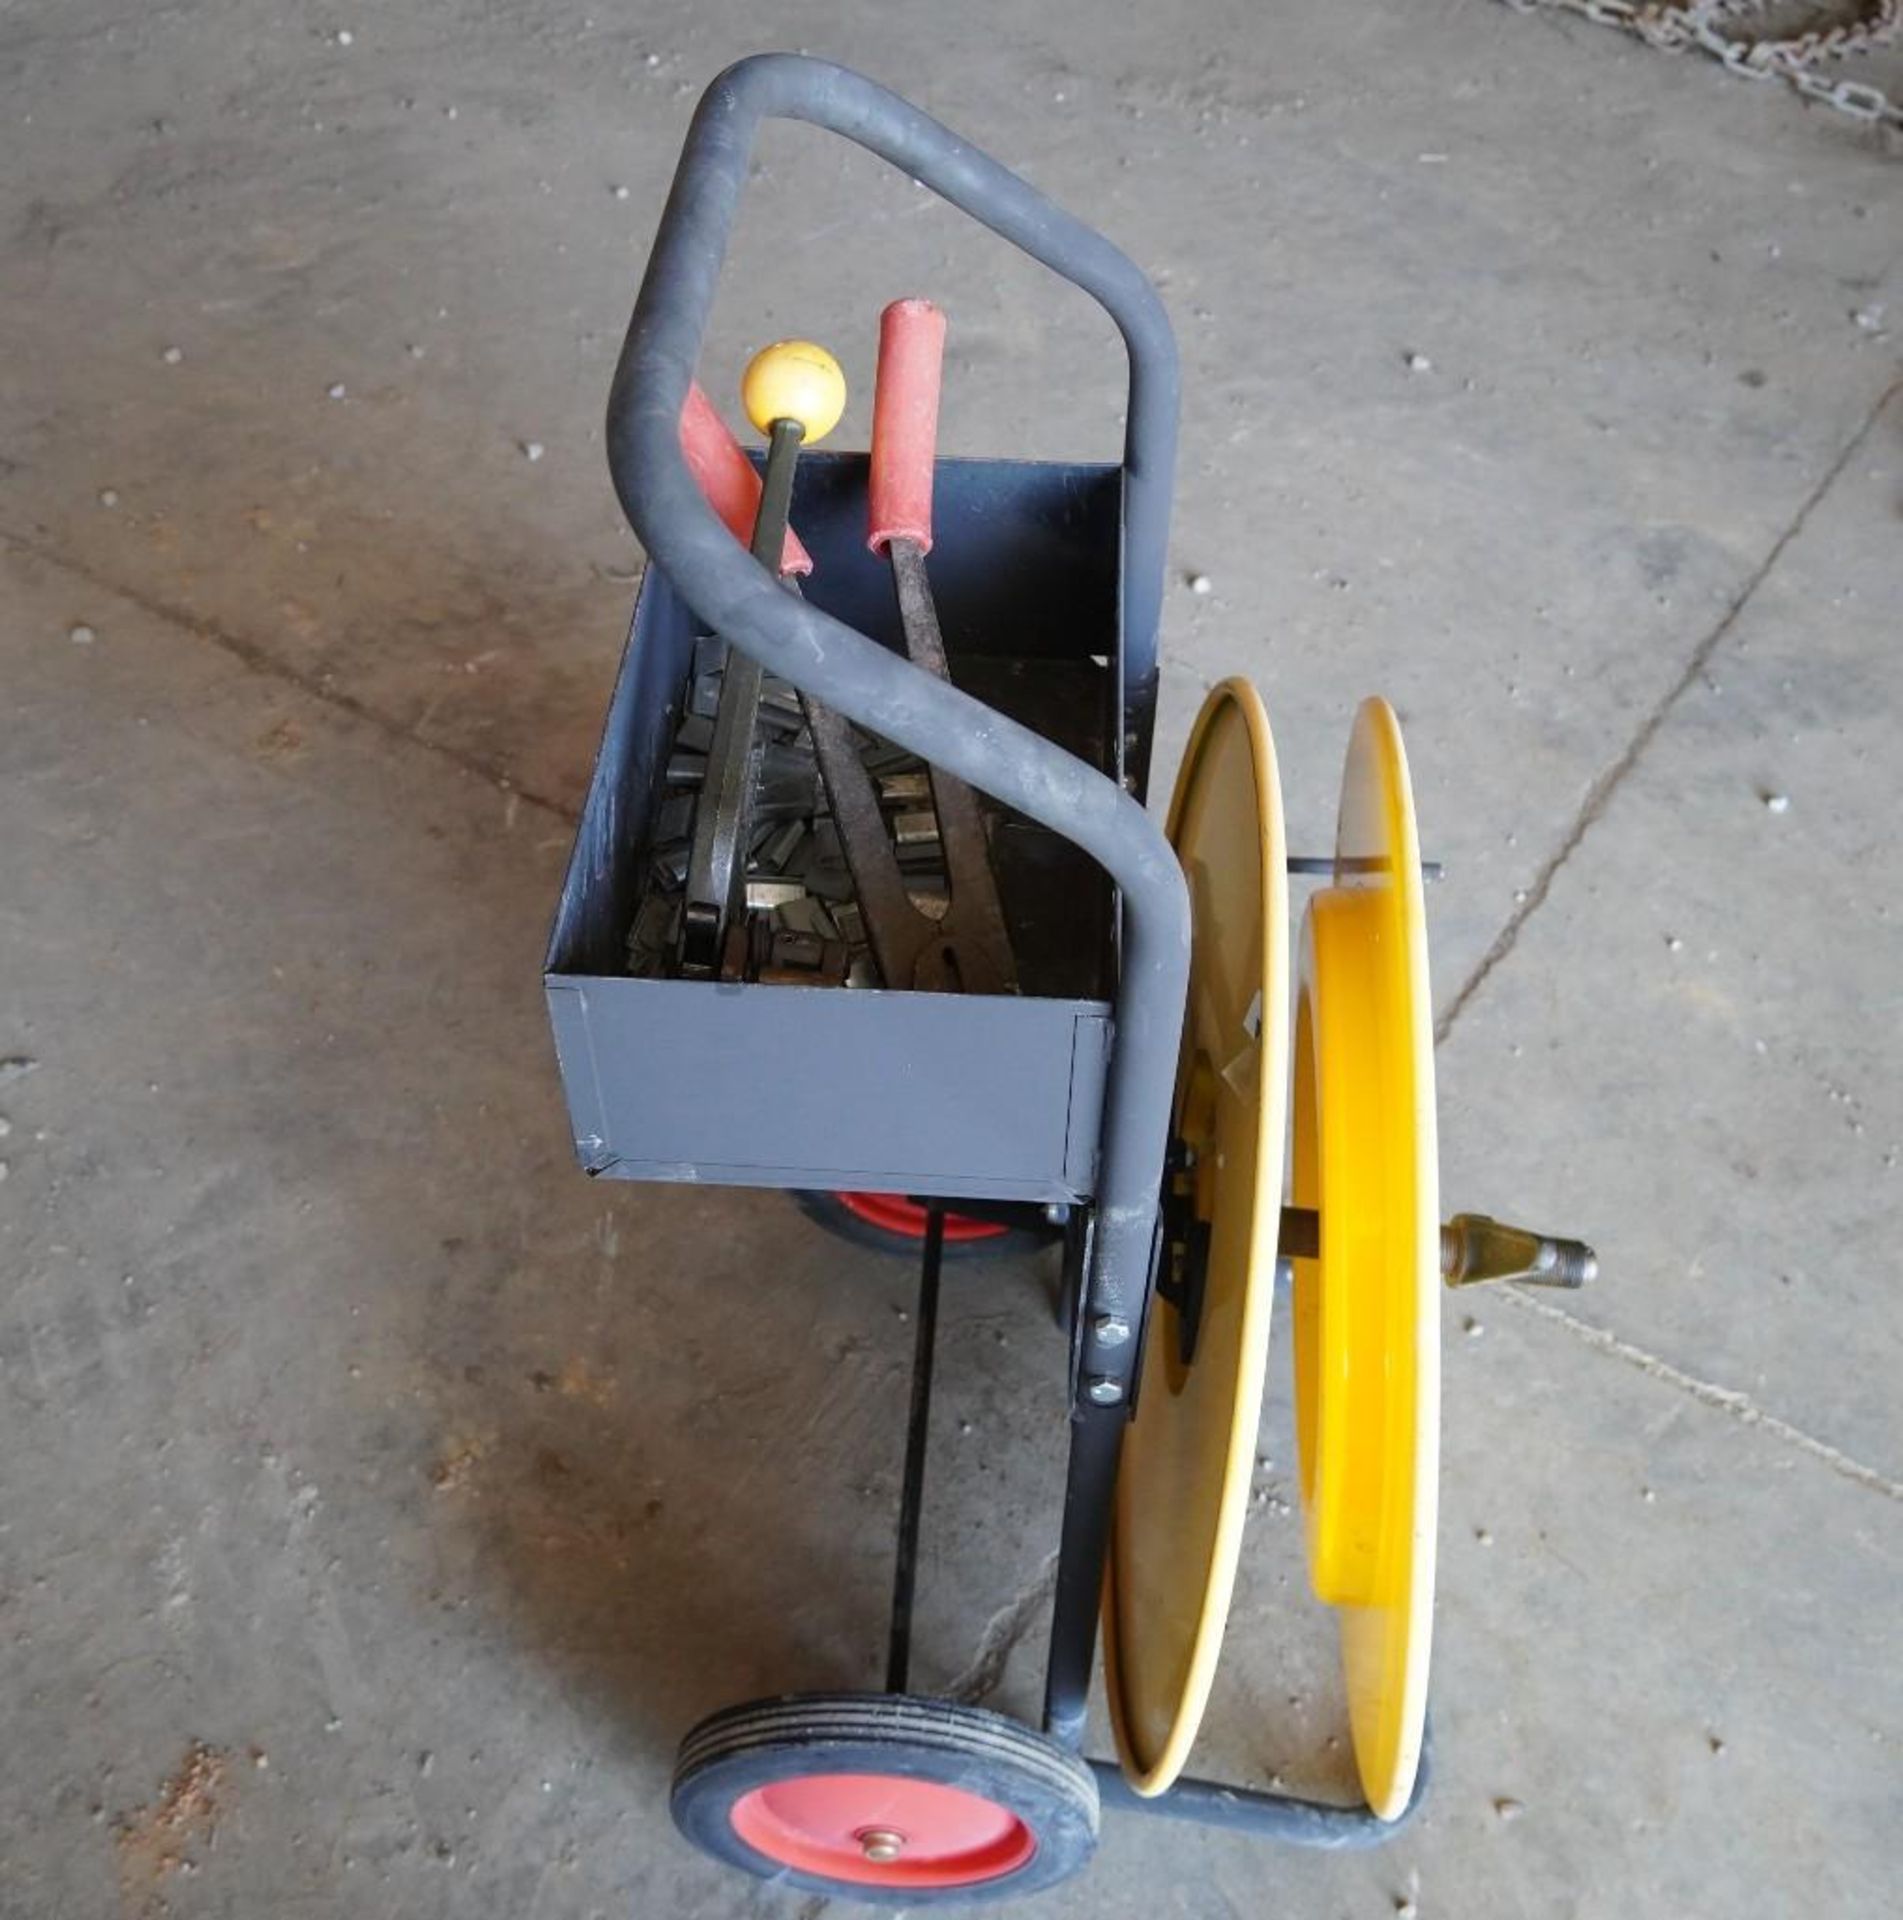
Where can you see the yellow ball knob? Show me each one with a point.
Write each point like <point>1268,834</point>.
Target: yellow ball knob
<point>794,380</point>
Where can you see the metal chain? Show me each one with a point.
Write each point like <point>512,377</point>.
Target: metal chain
<point>1674,28</point>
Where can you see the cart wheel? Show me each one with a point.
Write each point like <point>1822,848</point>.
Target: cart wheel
<point>1189,1454</point>
<point>891,1223</point>
<point>1366,1310</point>
<point>885,1797</point>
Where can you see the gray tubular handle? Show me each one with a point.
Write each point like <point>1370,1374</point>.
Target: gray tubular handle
<point>678,290</point>
<point>855,675</point>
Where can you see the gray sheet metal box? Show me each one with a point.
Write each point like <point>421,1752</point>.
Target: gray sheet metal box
<point>993,1097</point>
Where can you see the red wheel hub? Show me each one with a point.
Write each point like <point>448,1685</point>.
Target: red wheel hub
<point>894,1213</point>
<point>881,1830</point>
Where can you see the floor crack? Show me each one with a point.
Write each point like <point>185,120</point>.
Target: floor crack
<point>254,657</point>
<point>1004,1633</point>
<point>1740,1406</point>
<point>1599,794</point>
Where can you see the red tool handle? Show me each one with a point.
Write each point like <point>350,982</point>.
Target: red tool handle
<point>905,423</point>
<point>726,476</point>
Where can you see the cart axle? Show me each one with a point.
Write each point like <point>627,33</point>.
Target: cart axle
<point>1474,1249</point>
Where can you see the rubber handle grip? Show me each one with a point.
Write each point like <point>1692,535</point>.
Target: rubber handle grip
<point>905,423</point>
<point>727,477</point>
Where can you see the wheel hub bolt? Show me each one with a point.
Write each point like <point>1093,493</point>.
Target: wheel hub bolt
<point>881,1843</point>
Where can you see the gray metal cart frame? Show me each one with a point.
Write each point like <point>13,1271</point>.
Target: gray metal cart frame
<point>1057,1096</point>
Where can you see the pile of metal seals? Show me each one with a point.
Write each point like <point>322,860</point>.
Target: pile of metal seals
<point>792,848</point>
<point>803,925</point>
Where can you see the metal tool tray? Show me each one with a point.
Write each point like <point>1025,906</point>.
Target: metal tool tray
<point>995,1097</point>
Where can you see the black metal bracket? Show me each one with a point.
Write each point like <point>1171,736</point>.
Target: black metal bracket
<point>1183,1271</point>
<point>1024,1216</point>
<point>1295,1822</point>
<point>917,1432</point>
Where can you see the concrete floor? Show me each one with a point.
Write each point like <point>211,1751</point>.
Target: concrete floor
<point>381,1499</point>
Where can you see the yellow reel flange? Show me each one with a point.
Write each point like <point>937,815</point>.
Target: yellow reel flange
<point>1189,1453</point>
<point>1366,1309</point>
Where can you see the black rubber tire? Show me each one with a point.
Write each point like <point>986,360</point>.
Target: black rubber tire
<point>829,1211</point>
<point>762,1742</point>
